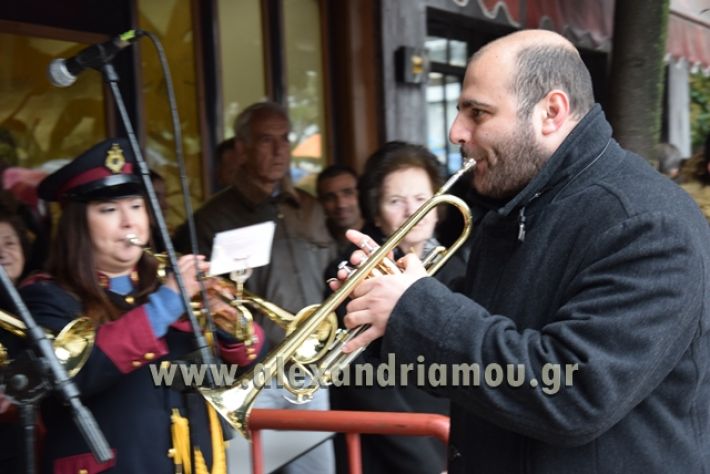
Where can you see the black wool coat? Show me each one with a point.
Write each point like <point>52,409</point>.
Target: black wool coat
<point>599,268</point>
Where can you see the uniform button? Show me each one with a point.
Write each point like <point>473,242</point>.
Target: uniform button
<point>83,471</point>
<point>136,363</point>
<point>165,364</point>
<point>130,300</point>
<point>171,452</point>
<point>149,356</point>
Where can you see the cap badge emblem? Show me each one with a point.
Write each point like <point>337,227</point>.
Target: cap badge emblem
<point>115,159</point>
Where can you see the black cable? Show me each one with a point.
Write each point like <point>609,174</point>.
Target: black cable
<point>182,169</point>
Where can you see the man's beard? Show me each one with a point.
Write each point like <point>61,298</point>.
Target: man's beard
<point>519,160</point>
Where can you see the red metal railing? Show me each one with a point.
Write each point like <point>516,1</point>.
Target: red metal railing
<point>351,423</point>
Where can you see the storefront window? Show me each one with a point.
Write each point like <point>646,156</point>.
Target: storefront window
<point>42,125</point>
<point>242,58</point>
<point>305,88</point>
<point>171,21</point>
<point>448,60</point>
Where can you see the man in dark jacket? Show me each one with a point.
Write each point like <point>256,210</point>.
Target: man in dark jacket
<point>262,191</point>
<point>587,307</point>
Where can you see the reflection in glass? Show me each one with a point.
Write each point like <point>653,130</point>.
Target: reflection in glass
<point>442,98</point>
<point>436,48</point>
<point>306,106</point>
<point>171,21</point>
<point>458,52</point>
<point>241,58</point>
<point>436,123</point>
<point>452,93</point>
<point>40,122</point>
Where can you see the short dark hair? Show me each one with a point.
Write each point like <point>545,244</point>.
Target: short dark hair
<point>390,157</point>
<point>542,68</point>
<point>223,146</point>
<point>668,156</point>
<point>155,176</point>
<point>332,171</point>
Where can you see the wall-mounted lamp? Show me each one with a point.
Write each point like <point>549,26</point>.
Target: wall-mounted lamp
<point>412,65</point>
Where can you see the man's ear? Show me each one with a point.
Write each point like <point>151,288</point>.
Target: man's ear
<point>555,111</point>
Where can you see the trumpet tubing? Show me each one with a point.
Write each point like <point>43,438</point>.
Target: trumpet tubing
<point>235,403</point>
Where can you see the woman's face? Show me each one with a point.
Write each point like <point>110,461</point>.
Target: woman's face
<point>11,256</point>
<point>110,223</point>
<point>403,192</point>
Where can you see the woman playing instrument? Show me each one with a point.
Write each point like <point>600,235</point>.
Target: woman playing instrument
<point>96,270</point>
<point>398,179</point>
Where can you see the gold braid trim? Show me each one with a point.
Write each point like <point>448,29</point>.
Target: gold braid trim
<point>219,455</point>
<point>181,445</point>
<point>180,430</point>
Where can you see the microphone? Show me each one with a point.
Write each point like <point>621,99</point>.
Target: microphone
<point>63,72</point>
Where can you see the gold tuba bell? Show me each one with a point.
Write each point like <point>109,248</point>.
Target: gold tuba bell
<point>235,403</point>
<point>72,345</point>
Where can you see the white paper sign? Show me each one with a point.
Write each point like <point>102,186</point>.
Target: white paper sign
<point>245,247</point>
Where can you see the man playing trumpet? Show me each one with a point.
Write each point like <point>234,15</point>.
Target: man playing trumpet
<point>587,261</point>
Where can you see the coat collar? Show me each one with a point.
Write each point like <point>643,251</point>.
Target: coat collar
<point>580,150</point>
<point>255,196</point>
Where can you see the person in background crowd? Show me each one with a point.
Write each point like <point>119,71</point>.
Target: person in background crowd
<point>97,270</point>
<point>589,277</point>
<point>336,187</point>
<point>696,178</point>
<point>19,189</point>
<point>161,190</point>
<point>227,164</point>
<point>14,243</point>
<point>301,249</point>
<point>669,159</point>
<point>14,251</point>
<point>398,178</point>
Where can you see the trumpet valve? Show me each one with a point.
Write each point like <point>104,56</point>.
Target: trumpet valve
<point>345,266</point>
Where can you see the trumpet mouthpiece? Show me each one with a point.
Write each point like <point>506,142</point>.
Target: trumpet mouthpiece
<point>134,240</point>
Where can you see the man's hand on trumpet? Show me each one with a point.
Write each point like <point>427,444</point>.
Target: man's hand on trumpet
<point>374,299</point>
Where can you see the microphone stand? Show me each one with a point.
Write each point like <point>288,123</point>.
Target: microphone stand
<point>50,374</point>
<point>206,356</point>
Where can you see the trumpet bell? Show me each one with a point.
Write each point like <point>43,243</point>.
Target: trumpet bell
<point>73,344</point>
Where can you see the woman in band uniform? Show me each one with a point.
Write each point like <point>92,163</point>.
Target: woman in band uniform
<point>96,271</point>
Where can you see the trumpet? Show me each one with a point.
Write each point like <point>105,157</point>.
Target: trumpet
<point>71,346</point>
<point>235,403</point>
<point>244,327</point>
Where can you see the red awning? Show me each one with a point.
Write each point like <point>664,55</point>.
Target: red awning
<point>590,23</point>
<point>689,32</point>
<point>587,23</point>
